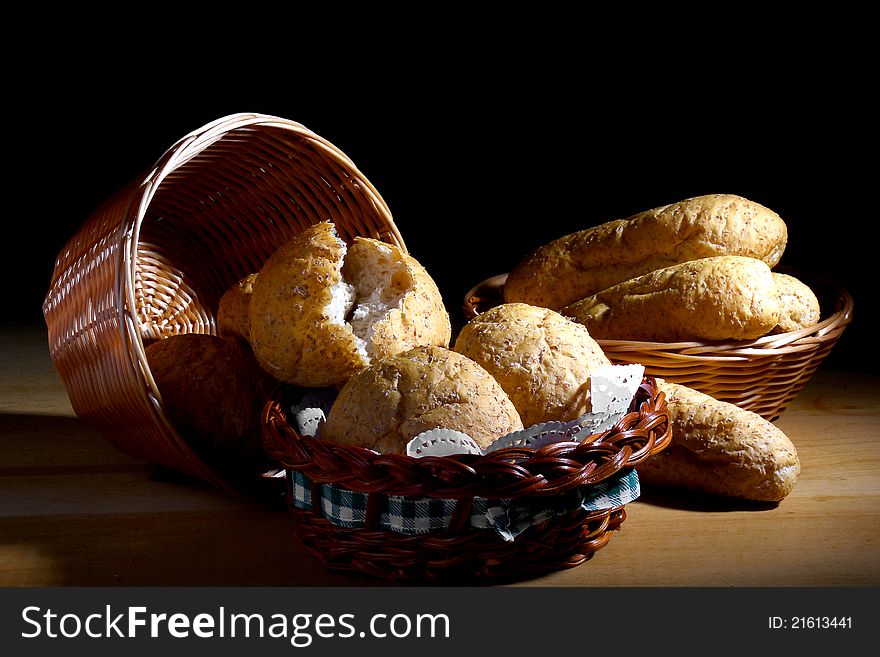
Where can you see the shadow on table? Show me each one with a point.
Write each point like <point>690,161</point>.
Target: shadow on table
<point>688,500</point>
<point>74,511</point>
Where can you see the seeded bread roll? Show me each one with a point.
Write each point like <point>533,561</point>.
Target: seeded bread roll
<point>542,359</point>
<point>723,298</point>
<point>233,314</point>
<point>398,305</point>
<point>798,305</point>
<point>313,327</point>
<point>720,448</point>
<point>393,400</point>
<point>588,261</point>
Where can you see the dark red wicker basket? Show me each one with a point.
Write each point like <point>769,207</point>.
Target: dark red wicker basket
<point>461,551</point>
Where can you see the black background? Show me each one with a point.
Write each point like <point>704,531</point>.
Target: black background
<point>480,158</point>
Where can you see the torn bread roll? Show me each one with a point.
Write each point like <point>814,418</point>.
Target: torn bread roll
<point>722,298</point>
<point>583,263</point>
<point>320,310</point>
<point>798,305</point>
<point>396,398</point>
<point>542,359</point>
<point>398,305</point>
<point>720,448</point>
<point>233,314</point>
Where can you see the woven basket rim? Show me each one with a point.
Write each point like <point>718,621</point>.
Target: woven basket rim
<point>509,472</point>
<point>826,329</point>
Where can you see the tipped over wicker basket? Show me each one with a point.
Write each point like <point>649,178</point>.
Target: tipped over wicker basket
<point>155,258</point>
<point>762,375</point>
<point>521,475</point>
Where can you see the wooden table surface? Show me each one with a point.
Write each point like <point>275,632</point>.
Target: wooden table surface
<point>76,512</point>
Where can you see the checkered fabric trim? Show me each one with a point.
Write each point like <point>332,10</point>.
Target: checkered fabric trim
<point>419,515</point>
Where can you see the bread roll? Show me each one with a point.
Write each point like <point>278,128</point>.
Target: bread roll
<point>720,448</point>
<point>588,261</point>
<point>233,313</point>
<point>542,360</point>
<point>723,298</point>
<point>398,305</point>
<point>798,305</point>
<point>393,400</point>
<point>313,327</point>
<point>213,391</point>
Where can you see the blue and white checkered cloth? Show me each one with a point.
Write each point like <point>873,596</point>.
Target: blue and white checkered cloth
<point>419,515</point>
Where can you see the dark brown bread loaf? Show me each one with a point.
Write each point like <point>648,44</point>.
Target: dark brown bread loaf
<point>213,391</point>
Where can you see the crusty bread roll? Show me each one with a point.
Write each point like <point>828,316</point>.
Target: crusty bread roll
<point>396,398</point>
<point>542,360</point>
<point>720,448</point>
<point>398,305</point>
<point>721,298</point>
<point>798,305</point>
<point>310,326</point>
<point>583,263</point>
<point>213,391</point>
<point>233,313</point>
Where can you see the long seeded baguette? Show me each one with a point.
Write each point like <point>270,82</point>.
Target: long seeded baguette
<point>720,448</point>
<point>588,261</point>
<point>722,298</point>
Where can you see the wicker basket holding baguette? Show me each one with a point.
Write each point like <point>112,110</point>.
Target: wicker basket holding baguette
<point>686,290</point>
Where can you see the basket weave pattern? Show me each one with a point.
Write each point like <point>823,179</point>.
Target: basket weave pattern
<point>513,473</point>
<point>154,260</point>
<point>762,375</point>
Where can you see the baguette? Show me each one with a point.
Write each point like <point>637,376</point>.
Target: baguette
<point>588,261</point>
<point>722,298</point>
<point>722,449</point>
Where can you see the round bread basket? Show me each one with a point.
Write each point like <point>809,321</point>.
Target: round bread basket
<point>460,551</point>
<point>762,375</point>
<point>155,258</point>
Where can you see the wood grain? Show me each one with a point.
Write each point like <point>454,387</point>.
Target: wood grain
<point>76,512</point>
